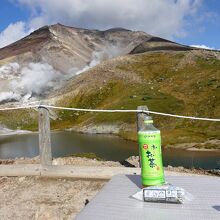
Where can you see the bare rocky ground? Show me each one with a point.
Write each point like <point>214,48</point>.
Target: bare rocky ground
<point>40,198</point>
<point>44,198</point>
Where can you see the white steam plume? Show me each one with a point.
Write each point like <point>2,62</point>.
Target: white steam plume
<point>38,79</point>
<point>9,96</point>
<point>108,52</point>
<point>7,70</point>
<point>35,79</point>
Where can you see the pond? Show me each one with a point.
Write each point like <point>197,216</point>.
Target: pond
<point>104,146</point>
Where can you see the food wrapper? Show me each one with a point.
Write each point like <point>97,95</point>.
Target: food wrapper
<point>166,193</point>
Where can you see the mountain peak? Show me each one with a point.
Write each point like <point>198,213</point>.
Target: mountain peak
<point>79,43</point>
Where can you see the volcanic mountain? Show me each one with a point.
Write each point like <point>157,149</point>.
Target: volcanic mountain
<point>112,69</point>
<point>53,54</point>
<point>66,47</point>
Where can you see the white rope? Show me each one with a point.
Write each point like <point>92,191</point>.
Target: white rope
<point>144,111</point>
<point>110,111</point>
<point>19,107</point>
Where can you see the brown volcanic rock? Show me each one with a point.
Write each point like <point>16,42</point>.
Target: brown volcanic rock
<point>69,49</point>
<point>159,44</point>
<point>66,47</point>
<point>31,43</point>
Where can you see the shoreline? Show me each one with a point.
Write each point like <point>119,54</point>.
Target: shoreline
<point>8,132</point>
<point>193,149</point>
<point>201,147</point>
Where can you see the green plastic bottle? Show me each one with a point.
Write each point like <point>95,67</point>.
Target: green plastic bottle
<point>149,140</point>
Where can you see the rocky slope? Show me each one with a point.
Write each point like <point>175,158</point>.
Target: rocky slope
<point>42,62</point>
<point>158,44</point>
<point>185,83</point>
<point>67,47</point>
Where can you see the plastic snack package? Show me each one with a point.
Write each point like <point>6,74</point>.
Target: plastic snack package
<point>166,193</point>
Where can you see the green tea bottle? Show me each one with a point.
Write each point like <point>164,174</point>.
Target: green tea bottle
<point>149,140</point>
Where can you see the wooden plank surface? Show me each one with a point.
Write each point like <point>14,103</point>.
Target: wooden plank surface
<point>65,171</point>
<point>20,170</point>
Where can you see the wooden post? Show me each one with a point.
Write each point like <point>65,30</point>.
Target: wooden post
<point>140,122</point>
<point>44,137</point>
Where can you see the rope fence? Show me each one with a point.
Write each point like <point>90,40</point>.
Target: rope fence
<point>44,123</point>
<point>110,111</point>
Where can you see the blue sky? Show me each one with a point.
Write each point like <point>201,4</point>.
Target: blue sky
<point>11,13</point>
<point>207,31</point>
<point>191,22</point>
